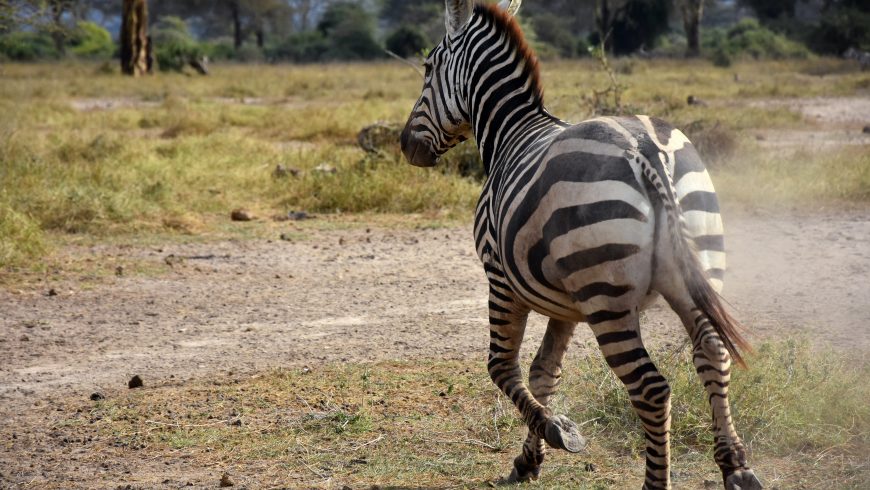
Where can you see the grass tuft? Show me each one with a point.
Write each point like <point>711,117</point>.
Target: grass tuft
<point>439,423</point>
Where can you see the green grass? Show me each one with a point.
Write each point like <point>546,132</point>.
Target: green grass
<point>90,154</point>
<point>802,413</point>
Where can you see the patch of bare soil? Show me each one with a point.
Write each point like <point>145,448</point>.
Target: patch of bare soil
<point>359,295</point>
<point>835,122</point>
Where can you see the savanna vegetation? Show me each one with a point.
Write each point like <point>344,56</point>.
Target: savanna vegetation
<point>90,154</point>
<point>90,157</point>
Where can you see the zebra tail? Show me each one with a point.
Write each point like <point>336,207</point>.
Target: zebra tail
<point>702,293</point>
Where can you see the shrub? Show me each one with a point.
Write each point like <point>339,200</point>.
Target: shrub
<point>27,46</point>
<point>174,47</point>
<point>748,38</point>
<point>350,31</point>
<point>301,47</point>
<point>89,40</point>
<point>553,30</point>
<point>407,41</point>
<point>841,29</point>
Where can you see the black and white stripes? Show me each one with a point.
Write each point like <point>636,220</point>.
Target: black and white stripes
<point>583,223</point>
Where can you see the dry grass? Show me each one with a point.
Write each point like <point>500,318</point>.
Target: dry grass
<point>85,153</point>
<point>802,413</point>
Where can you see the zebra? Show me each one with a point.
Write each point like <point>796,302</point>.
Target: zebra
<point>588,222</point>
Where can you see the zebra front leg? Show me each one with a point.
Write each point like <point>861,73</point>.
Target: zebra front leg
<point>545,375</point>
<point>507,325</point>
<point>618,336</point>
<point>713,364</point>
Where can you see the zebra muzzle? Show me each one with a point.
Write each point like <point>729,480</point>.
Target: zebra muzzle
<point>417,151</point>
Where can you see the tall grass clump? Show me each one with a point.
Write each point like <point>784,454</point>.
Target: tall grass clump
<point>792,399</point>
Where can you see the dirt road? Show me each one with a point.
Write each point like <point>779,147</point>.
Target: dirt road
<point>364,295</point>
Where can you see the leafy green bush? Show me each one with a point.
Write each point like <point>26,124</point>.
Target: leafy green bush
<point>841,29</point>
<point>300,47</point>
<point>27,46</point>
<point>89,40</point>
<point>407,41</point>
<point>174,47</point>
<point>350,31</point>
<point>748,38</point>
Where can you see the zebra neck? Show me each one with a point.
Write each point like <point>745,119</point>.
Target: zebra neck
<point>505,108</point>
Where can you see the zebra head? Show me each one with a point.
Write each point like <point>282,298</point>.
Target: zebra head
<point>440,120</point>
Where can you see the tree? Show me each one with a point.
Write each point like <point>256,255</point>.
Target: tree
<point>135,45</point>
<point>769,10</point>
<point>692,11</point>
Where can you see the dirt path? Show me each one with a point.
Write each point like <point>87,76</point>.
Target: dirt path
<point>370,295</point>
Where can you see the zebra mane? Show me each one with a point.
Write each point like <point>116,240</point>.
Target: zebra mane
<point>507,24</point>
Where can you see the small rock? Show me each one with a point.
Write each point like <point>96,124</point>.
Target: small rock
<point>692,100</point>
<point>286,237</point>
<point>711,484</point>
<point>241,215</point>
<point>760,137</point>
<point>25,338</point>
<point>590,468</point>
<point>325,169</point>
<point>341,241</point>
<point>866,129</point>
<point>52,292</point>
<point>236,422</point>
<point>297,215</point>
<point>135,382</point>
<point>281,171</point>
<point>227,480</point>
<point>172,259</point>
<point>97,396</point>
<point>119,271</point>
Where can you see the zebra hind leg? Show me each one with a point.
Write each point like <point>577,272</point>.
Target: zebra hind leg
<point>545,375</point>
<point>713,365</point>
<point>618,336</point>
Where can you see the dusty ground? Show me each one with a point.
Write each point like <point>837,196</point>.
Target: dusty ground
<point>363,295</point>
<point>205,310</point>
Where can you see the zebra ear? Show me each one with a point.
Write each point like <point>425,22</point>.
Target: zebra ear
<point>458,14</point>
<point>512,6</point>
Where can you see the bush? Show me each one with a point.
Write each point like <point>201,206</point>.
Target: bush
<point>219,49</point>
<point>407,41</point>
<point>350,31</point>
<point>841,29</point>
<point>748,38</point>
<point>89,40</point>
<point>27,46</point>
<point>301,47</point>
<point>174,47</point>
<point>554,31</point>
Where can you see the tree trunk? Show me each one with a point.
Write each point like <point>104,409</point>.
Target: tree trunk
<point>237,25</point>
<point>57,32</point>
<point>135,42</point>
<point>692,11</point>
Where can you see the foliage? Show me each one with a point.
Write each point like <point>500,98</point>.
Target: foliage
<point>748,38</point>
<point>407,41</point>
<point>90,40</point>
<point>769,10</point>
<point>350,31</point>
<point>174,46</point>
<point>841,28</point>
<point>300,47</point>
<point>554,31</point>
<point>27,46</point>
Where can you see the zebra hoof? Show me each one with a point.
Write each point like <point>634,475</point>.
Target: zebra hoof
<point>562,433</point>
<point>742,480</point>
<point>523,475</point>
